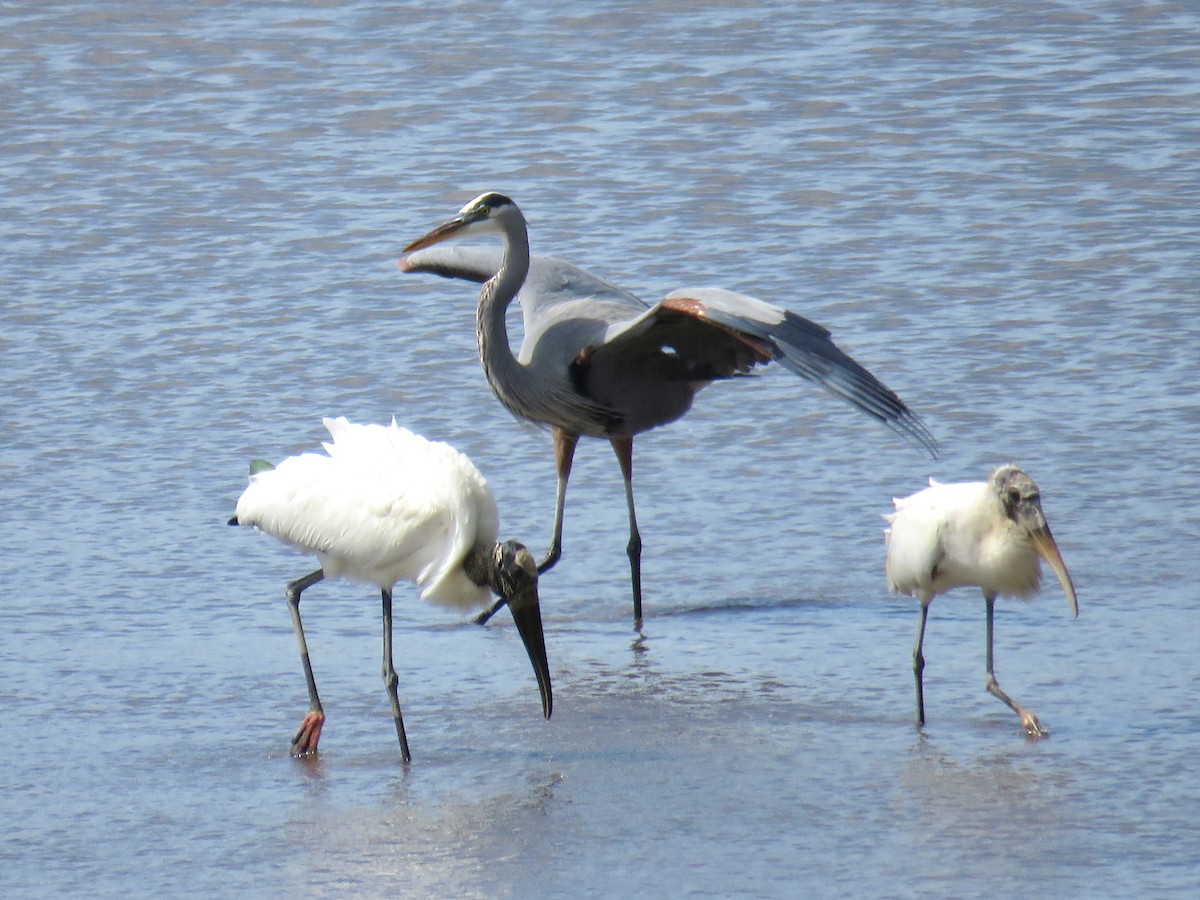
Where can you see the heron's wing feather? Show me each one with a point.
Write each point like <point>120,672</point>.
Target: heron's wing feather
<point>805,348</point>
<point>466,263</point>
<point>550,280</point>
<point>677,340</point>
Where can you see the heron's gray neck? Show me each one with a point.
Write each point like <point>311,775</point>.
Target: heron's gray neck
<point>504,373</point>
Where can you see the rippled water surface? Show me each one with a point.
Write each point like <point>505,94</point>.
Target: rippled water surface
<point>993,206</point>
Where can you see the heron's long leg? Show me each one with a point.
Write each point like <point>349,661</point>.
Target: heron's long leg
<point>623,447</point>
<point>919,662</point>
<point>1028,719</point>
<point>564,455</point>
<point>390,679</point>
<point>309,732</point>
<point>482,618</point>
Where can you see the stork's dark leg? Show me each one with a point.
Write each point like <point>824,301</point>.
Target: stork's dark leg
<point>1028,719</point>
<point>623,447</point>
<point>309,733</point>
<point>390,680</point>
<point>919,662</point>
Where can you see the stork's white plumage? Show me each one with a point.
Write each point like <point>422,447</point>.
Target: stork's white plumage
<point>381,505</point>
<point>991,534</point>
<point>384,505</point>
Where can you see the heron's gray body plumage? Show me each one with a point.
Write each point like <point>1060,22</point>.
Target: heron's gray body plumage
<point>595,360</point>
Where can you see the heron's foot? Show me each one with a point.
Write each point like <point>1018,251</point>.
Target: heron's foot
<point>1033,728</point>
<point>309,733</point>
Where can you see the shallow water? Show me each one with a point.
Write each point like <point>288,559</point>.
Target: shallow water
<point>993,207</point>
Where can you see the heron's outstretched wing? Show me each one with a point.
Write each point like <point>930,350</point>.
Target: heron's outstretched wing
<point>713,333</point>
<point>550,280</point>
<point>677,340</point>
<point>695,335</point>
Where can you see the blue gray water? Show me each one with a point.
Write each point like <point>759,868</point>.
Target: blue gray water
<point>993,206</point>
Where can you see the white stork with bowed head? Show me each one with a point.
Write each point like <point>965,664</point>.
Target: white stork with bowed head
<point>991,534</point>
<point>383,505</point>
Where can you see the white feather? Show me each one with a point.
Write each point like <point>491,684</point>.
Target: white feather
<point>950,535</point>
<point>381,505</point>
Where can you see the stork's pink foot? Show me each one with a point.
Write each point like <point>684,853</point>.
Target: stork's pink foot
<point>309,733</point>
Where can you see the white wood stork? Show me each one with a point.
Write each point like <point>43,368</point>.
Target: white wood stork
<point>990,534</point>
<point>383,505</point>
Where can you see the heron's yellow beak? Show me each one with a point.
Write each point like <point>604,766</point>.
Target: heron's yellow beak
<point>1047,549</point>
<point>445,231</point>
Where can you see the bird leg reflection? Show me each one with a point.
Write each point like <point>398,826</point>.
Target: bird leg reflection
<point>309,733</point>
<point>390,679</point>
<point>1028,719</point>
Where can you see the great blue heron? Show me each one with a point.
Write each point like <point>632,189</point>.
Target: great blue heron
<point>984,533</point>
<point>384,505</point>
<point>598,361</point>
